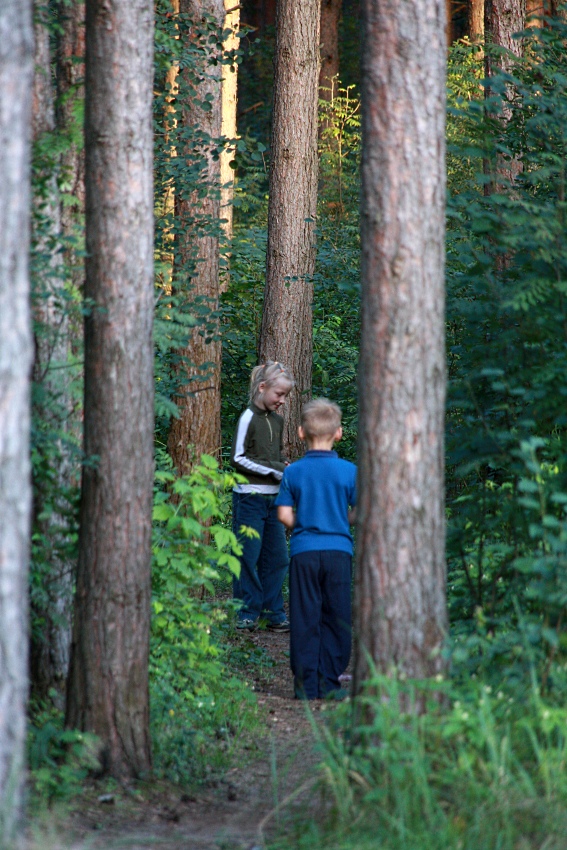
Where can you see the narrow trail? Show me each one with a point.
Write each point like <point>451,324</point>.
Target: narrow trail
<point>235,813</point>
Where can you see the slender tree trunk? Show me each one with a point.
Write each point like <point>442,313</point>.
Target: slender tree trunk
<point>16,75</point>
<point>476,20</point>
<point>229,96</point>
<point>108,680</point>
<point>197,430</point>
<point>286,333</point>
<point>502,19</point>
<point>70,72</point>
<point>449,22</point>
<point>329,37</point>
<point>54,410</point>
<point>401,616</point>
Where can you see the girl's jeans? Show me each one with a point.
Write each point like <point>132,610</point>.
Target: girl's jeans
<point>264,559</point>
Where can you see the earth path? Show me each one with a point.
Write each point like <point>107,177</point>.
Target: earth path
<point>232,814</point>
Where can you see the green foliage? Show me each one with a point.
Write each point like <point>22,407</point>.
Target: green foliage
<point>478,770</point>
<point>59,759</point>
<point>506,436</point>
<point>198,708</point>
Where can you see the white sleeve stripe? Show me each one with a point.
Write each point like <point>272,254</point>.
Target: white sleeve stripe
<point>239,456</point>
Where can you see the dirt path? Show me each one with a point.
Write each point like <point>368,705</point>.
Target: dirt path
<point>234,813</point>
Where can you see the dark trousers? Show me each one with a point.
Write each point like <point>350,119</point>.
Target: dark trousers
<point>264,559</point>
<point>320,616</point>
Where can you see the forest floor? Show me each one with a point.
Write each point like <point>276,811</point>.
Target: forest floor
<point>270,793</point>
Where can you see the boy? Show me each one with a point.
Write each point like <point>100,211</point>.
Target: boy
<point>320,487</point>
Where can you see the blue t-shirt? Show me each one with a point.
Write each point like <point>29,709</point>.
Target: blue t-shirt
<point>321,487</point>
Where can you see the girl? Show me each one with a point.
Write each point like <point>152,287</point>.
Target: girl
<point>257,454</point>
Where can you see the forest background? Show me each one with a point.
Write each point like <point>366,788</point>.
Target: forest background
<point>493,751</point>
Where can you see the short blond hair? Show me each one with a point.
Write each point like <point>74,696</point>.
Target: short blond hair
<point>320,418</point>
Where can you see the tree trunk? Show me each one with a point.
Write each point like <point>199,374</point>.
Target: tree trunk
<point>16,74</point>
<point>502,19</point>
<point>70,71</point>
<point>449,22</point>
<point>476,20</point>
<point>401,616</point>
<point>229,94</point>
<point>286,333</point>
<point>53,408</point>
<point>329,38</point>
<point>197,430</point>
<point>108,679</point>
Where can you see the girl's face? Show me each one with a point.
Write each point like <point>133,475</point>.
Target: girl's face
<point>272,397</point>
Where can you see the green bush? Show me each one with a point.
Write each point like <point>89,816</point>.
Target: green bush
<point>199,709</point>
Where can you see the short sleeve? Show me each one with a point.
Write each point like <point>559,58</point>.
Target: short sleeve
<point>285,496</point>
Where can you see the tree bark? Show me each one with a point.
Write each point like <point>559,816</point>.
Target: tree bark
<point>108,679</point>
<point>503,18</point>
<point>229,97</point>
<point>329,38</point>
<point>53,409</point>
<point>70,71</point>
<point>16,75</point>
<point>286,333</point>
<point>401,616</point>
<point>476,20</point>
<point>197,430</point>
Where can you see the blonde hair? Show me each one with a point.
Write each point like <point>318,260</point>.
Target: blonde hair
<point>268,373</point>
<point>320,418</point>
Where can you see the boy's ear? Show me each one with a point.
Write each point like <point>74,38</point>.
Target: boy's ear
<point>301,433</point>
<point>338,434</point>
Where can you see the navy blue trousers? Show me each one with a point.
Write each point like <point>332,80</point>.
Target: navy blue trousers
<point>320,616</point>
<point>264,559</point>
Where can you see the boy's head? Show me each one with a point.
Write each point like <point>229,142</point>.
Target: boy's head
<point>320,421</point>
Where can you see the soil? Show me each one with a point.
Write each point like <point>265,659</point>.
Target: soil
<point>269,795</point>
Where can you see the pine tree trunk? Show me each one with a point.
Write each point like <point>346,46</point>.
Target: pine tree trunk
<point>108,680</point>
<point>476,20</point>
<point>329,38</point>
<point>197,431</point>
<point>401,616</point>
<point>503,18</point>
<point>70,71</point>
<point>229,96</point>
<point>54,409</point>
<point>16,75</point>
<point>286,333</point>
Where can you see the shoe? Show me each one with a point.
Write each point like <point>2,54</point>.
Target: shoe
<point>279,627</point>
<point>247,623</point>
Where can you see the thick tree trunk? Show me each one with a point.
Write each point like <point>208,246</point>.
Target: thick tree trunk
<point>16,74</point>
<point>329,38</point>
<point>401,616</point>
<point>229,95</point>
<point>108,680</point>
<point>503,18</point>
<point>197,430</point>
<point>50,650</point>
<point>476,20</point>
<point>286,333</point>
